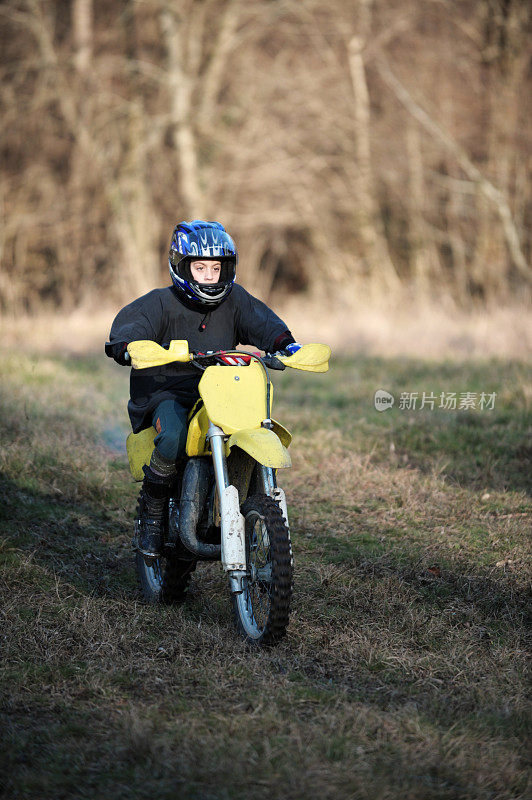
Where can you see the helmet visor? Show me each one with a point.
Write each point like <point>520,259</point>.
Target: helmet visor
<point>182,264</point>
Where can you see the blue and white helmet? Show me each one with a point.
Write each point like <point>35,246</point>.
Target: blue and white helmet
<point>198,240</point>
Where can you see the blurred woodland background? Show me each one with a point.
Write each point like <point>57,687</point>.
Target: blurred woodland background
<point>353,147</point>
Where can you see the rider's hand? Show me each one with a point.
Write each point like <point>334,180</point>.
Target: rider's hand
<point>118,351</point>
<point>283,342</point>
<point>290,349</point>
<point>273,361</point>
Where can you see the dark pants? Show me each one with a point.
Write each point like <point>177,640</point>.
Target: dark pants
<point>170,420</point>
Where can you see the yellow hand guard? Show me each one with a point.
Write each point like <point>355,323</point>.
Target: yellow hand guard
<point>310,357</point>
<point>145,353</point>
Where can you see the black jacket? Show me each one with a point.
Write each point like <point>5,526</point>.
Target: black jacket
<point>161,316</point>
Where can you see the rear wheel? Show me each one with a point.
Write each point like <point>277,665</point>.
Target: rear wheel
<point>262,609</point>
<point>163,580</point>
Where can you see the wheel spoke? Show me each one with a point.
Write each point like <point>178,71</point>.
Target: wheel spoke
<point>257,591</point>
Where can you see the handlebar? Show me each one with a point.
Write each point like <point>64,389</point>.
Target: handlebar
<point>234,358</point>
<point>226,356</point>
<point>147,353</point>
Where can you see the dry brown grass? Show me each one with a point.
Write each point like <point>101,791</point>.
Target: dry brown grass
<point>409,327</point>
<point>404,672</point>
<point>403,327</point>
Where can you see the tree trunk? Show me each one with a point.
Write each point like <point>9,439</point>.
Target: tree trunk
<point>423,255</point>
<point>369,224</point>
<point>493,194</point>
<point>82,34</point>
<point>180,85</point>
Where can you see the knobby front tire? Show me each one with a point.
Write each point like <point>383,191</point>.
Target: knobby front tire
<point>262,610</point>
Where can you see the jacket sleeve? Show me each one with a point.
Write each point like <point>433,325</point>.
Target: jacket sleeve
<point>139,320</point>
<point>258,325</point>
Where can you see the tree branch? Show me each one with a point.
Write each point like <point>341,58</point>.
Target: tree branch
<point>487,188</point>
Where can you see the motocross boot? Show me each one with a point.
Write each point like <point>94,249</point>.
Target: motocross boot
<point>152,506</point>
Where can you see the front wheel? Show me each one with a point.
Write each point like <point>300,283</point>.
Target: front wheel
<point>262,609</point>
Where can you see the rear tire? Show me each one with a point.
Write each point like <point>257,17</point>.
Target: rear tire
<point>262,610</point>
<point>163,580</point>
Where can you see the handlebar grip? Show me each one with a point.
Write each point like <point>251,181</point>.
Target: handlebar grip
<point>272,362</point>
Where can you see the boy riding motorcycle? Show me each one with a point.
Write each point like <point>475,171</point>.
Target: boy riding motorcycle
<point>206,307</point>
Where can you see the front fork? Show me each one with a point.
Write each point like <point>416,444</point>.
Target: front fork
<point>233,550</point>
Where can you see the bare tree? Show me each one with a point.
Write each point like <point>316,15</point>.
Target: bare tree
<point>82,34</point>
<point>369,224</point>
<point>351,147</point>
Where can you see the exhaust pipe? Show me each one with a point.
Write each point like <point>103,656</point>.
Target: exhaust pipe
<point>194,490</point>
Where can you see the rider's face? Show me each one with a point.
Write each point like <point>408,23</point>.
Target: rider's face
<point>205,271</point>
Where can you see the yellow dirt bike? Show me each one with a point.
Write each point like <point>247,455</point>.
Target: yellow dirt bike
<point>225,504</point>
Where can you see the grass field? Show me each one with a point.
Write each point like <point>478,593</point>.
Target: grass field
<point>404,671</point>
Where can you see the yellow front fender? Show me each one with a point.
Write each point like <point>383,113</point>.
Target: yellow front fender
<point>263,445</point>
